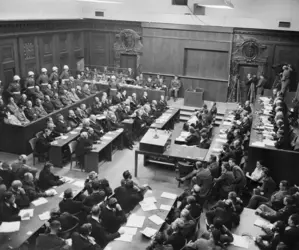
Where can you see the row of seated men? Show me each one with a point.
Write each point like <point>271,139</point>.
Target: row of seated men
<point>41,103</point>
<point>199,126</point>
<point>97,212</point>
<point>92,130</point>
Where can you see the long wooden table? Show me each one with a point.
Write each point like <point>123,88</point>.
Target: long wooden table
<point>172,153</point>
<point>91,159</point>
<point>283,164</point>
<point>219,138</point>
<point>153,94</point>
<point>247,227</point>
<point>16,239</point>
<point>167,119</point>
<point>139,240</point>
<point>56,152</point>
<point>15,139</point>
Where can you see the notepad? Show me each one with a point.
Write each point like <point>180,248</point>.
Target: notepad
<point>135,221</point>
<point>240,241</point>
<point>10,227</point>
<point>149,232</point>
<point>25,211</point>
<point>125,237</point>
<point>39,201</point>
<point>168,195</point>
<point>156,219</point>
<point>165,207</point>
<point>44,216</point>
<point>129,230</point>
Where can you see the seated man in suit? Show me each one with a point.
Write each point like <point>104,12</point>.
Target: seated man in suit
<point>30,112</point>
<point>175,86</point>
<point>39,109</point>
<point>38,94</point>
<point>100,234</point>
<point>56,102</point>
<point>116,99</point>
<point>43,144</point>
<point>162,104</point>
<point>97,108</point>
<point>204,141</point>
<point>21,198</point>
<point>65,99</point>
<point>97,195</point>
<point>134,102</point>
<point>82,239</point>
<point>139,126</point>
<point>112,216</point>
<point>72,120</point>
<point>193,138</point>
<point>9,210</point>
<point>68,204</point>
<point>144,99</point>
<point>98,129</point>
<point>48,105</point>
<point>149,83</point>
<point>51,240</point>
<point>61,125</point>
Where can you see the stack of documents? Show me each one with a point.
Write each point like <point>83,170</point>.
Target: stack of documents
<point>148,204</point>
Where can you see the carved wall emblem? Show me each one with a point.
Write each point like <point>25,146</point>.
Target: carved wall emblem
<point>128,38</point>
<point>29,52</point>
<point>250,50</point>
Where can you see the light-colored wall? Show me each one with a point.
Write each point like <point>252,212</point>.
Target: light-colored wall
<point>247,13</point>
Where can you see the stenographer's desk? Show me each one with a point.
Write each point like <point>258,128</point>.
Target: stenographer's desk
<point>15,139</point>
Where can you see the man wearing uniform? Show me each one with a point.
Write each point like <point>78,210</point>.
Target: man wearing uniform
<point>43,79</point>
<point>149,83</point>
<point>54,75</point>
<point>65,75</point>
<point>14,89</point>
<point>285,79</point>
<point>175,86</point>
<point>29,84</point>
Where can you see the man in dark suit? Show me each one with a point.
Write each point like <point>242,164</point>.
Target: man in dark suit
<point>68,204</point>
<point>204,141</point>
<point>30,112</point>
<point>113,216</point>
<point>83,240</point>
<point>48,105</point>
<point>144,99</point>
<point>162,104</point>
<point>101,236</point>
<point>56,102</point>
<point>31,189</point>
<point>193,138</point>
<point>9,210</point>
<point>134,102</point>
<point>51,240</point>
<point>97,107</point>
<point>97,195</point>
<point>7,174</point>
<point>116,99</point>
<point>139,124</point>
<point>98,129</point>
<point>43,144</point>
<point>72,120</point>
<point>83,147</point>
<point>61,125</point>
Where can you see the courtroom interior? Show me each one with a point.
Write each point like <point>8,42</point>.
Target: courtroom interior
<point>149,124</point>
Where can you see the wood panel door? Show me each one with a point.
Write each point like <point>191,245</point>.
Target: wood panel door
<point>98,50</point>
<point>128,61</point>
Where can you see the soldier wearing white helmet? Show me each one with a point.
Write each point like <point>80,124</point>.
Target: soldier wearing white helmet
<point>43,80</point>
<point>14,88</point>
<point>65,75</point>
<point>54,75</point>
<point>29,84</point>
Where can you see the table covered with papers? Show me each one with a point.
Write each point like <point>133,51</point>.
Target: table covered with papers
<point>144,221</point>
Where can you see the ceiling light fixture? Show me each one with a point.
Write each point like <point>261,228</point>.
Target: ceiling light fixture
<point>219,4</point>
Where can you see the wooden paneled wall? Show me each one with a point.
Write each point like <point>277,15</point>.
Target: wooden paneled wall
<point>167,50</point>
<point>30,46</point>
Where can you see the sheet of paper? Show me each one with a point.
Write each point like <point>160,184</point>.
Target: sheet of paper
<point>44,216</point>
<point>262,223</point>
<point>221,140</point>
<point>149,200</point>
<point>129,230</point>
<point>64,137</point>
<point>73,133</point>
<point>241,241</point>
<point>168,195</point>
<point>54,143</point>
<point>223,136</point>
<point>135,221</point>
<point>69,241</point>
<point>61,195</point>
<point>227,123</point>
<point>148,207</point>
<point>258,144</point>
<point>165,207</point>
<point>9,227</point>
<point>79,184</point>
<point>26,211</point>
<point>125,237</point>
<point>149,232</point>
<point>106,137</point>
<point>39,201</point>
<point>156,219</point>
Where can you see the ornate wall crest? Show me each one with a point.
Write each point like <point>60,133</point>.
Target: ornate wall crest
<point>250,49</point>
<point>29,52</point>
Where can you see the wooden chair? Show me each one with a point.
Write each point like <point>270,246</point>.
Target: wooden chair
<point>183,169</point>
<point>72,146</point>
<point>34,153</point>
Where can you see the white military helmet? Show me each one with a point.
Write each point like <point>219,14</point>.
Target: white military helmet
<point>65,67</point>
<point>30,73</point>
<point>16,78</point>
<point>54,68</point>
<point>44,70</point>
